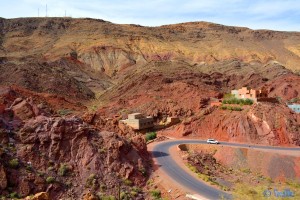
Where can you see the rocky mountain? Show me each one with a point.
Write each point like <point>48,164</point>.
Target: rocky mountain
<point>64,156</point>
<point>95,53</point>
<point>113,47</point>
<point>65,83</point>
<point>263,123</point>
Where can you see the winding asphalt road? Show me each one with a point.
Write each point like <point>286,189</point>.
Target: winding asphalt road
<point>164,160</point>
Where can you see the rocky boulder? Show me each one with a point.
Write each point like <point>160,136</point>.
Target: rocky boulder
<point>87,156</point>
<point>39,196</point>
<point>25,109</point>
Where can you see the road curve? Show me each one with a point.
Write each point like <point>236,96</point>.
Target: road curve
<point>164,160</point>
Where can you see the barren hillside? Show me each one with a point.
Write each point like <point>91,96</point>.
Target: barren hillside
<point>65,82</point>
<point>108,46</point>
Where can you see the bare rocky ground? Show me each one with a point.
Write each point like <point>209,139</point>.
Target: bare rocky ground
<point>65,83</point>
<point>263,123</point>
<point>245,173</point>
<point>42,151</point>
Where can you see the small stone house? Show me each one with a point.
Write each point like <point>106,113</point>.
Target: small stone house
<point>137,121</point>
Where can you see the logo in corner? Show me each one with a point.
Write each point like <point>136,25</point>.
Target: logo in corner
<point>267,193</point>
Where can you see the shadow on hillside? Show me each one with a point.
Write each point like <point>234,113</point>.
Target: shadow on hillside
<point>157,154</point>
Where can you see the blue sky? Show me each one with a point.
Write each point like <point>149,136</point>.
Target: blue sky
<point>255,14</point>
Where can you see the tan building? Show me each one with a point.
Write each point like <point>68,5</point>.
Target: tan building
<point>137,121</point>
<point>247,93</point>
<point>172,120</point>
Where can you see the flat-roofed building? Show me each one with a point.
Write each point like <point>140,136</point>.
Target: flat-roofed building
<point>137,121</point>
<point>247,93</point>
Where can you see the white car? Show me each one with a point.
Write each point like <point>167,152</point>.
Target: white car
<point>212,141</point>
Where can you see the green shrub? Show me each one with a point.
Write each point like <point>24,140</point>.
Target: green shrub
<point>231,108</point>
<point>155,193</point>
<point>102,150</point>
<point>248,102</point>
<point>150,182</point>
<point>90,181</point>
<point>143,171</point>
<point>50,168</point>
<point>63,112</point>
<point>238,101</point>
<point>133,193</point>
<point>14,195</point>
<point>14,163</point>
<point>150,136</point>
<point>192,168</point>
<point>246,170</point>
<point>50,179</point>
<point>224,107</point>
<point>128,182</point>
<point>63,170</point>
<point>136,189</point>
<point>204,177</point>
<point>28,167</point>
<point>109,197</point>
<point>124,196</point>
<point>237,108</point>
<point>245,191</point>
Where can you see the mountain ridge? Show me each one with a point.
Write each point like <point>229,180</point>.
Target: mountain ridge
<point>158,26</point>
<point>208,42</point>
<point>66,83</point>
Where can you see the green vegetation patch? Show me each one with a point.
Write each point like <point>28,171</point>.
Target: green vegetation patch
<point>91,180</point>
<point>50,179</point>
<point>63,112</point>
<point>150,136</point>
<point>14,163</point>
<point>63,170</point>
<point>109,197</point>
<point>155,194</point>
<point>238,101</point>
<point>14,195</point>
<point>231,108</point>
<point>127,182</point>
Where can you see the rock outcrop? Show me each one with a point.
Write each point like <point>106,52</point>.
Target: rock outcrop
<point>263,123</point>
<point>39,196</point>
<point>64,156</point>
